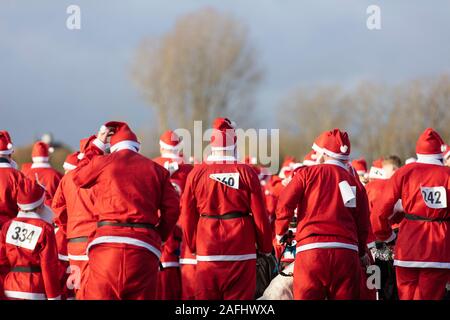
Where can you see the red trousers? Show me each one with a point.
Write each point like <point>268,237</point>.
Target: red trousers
<point>225,280</point>
<point>169,284</point>
<point>421,283</point>
<point>78,266</point>
<point>188,283</point>
<point>333,274</point>
<point>120,272</point>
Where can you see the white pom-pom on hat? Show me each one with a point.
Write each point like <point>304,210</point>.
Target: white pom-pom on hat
<point>51,149</point>
<point>344,148</point>
<point>9,146</point>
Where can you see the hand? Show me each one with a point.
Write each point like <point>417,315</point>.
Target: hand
<point>104,133</point>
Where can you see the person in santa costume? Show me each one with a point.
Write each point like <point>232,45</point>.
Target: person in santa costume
<point>333,223</point>
<point>28,250</point>
<point>224,220</point>
<point>360,166</point>
<point>176,279</point>
<point>10,178</point>
<point>422,255</point>
<point>136,208</point>
<point>74,215</point>
<point>42,172</point>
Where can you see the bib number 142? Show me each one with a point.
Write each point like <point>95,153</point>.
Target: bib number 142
<point>434,197</point>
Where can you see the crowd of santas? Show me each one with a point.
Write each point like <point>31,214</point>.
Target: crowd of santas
<point>118,225</point>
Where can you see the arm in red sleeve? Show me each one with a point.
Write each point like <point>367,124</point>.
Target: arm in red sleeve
<point>59,207</point>
<point>260,216</point>
<point>50,265</point>
<point>169,207</point>
<point>384,208</point>
<point>362,218</point>
<point>289,199</point>
<point>90,166</point>
<point>189,216</point>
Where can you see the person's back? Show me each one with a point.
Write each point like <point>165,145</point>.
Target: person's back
<point>47,176</point>
<point>333,223</point>
<point>136,208</point>
<point>224,220</point>
<point>28,247</point>
<point>422,250</point>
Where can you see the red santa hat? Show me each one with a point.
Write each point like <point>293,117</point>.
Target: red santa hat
<point>169,140</point>
<point>430,145</point>
<point>310,159</point>
<point>376,170</point>
<point>40,152</point>
<point>360,165</point>
<point>6,146</point>
<point>84,144</point>
<point>286,166</point>
<point>30,196</point>
<point>334,143</point>
<point>223,136</point>
<point>123,137</point>
<point>71,161</point>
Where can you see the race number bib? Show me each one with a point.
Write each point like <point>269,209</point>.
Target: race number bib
<point>434,197</point>
<point>229,179</point>
<point>348,194</point>
<point>23,235</point>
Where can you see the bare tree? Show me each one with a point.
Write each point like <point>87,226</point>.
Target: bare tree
<point>204,67</point>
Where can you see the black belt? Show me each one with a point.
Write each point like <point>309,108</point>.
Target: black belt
<point>415,217</point>
<point>78,239</point>
<point>226,216</point>
<point>26,269</point>
<point>125,224</point>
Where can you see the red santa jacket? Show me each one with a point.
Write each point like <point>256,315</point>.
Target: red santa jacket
<point>10,179</point>
<point>74,209</point>
<point>325,219</point>
<point>129,188</point>
<point>178,175</point>
<point>424,233</point>
<point>216,188</point>
<point>47,176</point>
<point>28,241</point>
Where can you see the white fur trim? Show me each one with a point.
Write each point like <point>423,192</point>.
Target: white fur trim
<point>69,166</point>
<point>28,215</point>
<point>63,257</point>
<point>25,295</point>
<point>336,163</point>
<point>170,264</point>
<point>220,158</point>
<point>330,153</point>
<point>81,155</point>
<point>430,159</point>
<point>188,261</point>
<point>39,159</point>
<point>227,148</point>
<point>126,144</point>
<point>6,165</point>
<point>227,257</point>
<point>98,144</point>
<point>166,146</point>
<point>422,264</point>
<point>171,156</point>
<point>78,257</point>
<point>327,245</point>
<point>40,165</point>
<point>6,152</point>
<point>126,240</point>
<point>31,206</point>
<point>371,244</point>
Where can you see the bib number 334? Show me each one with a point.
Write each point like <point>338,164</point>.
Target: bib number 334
<point>23,235</point>
<point>434,197</point>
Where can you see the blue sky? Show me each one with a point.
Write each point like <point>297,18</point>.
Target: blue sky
<point>69,82</point>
